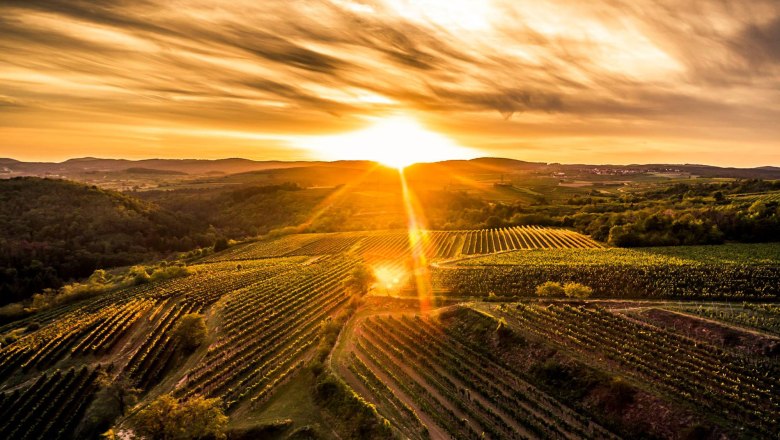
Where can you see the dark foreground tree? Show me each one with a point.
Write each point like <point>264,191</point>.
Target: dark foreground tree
<point>221,244</point>
<point>115,396</point>
<point>168,419</point>
<point>191,331</point>
<point>360,280</point>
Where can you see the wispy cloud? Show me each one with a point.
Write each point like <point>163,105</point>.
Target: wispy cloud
<point>520,78</point>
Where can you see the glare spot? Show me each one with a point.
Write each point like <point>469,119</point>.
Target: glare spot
<point>395,142</point>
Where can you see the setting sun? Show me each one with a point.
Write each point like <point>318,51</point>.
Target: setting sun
<point>396,142</point>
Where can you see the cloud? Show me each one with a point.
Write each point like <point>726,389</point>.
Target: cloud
<point>291,67</point>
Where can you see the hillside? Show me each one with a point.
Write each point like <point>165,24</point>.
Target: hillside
<point>242,210</point>
<point>294,347</point>
<point>52,231</point>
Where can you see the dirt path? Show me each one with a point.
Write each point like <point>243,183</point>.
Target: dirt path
<point>697,328</point>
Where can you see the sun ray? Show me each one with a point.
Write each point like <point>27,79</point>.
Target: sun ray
<point>418,237</point>
<point>333,197</point>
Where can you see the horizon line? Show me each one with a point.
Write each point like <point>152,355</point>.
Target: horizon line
<point>53,162</point>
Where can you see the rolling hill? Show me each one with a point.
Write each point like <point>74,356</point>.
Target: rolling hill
<point>292,348</point>
<point>52,231</point>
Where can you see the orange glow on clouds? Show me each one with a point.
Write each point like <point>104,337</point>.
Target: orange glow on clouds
<point>549,81</point>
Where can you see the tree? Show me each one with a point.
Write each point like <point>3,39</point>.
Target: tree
<point>168,419</point>
<point>115,396</point>
<point>221,244</point>
<point>577,290</point>
<point>758,209</point>
<point>139,275</point>
<point>119,392</point>
<point>550,288</point>
<point>191,331</point>
<point>360,280</point>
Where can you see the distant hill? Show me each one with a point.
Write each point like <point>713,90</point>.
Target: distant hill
<point>139,170</point>
<point>189,166</point>
<point>52,231</point>
<point>236,165</point>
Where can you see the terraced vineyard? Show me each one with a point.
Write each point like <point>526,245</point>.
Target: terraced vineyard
<point>280,314</point>
<point>464,395</point>
<point>130,333</point>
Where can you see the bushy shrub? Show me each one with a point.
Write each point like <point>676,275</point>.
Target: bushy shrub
<point>191,331</point>
<point>577,290</point>
<point>167,418</point>
<point>360,418</point>
<point>550,288</point>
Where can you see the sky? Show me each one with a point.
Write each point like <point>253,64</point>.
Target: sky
<point>612,81</point>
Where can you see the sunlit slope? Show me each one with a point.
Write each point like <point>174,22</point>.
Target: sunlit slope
<point>267,304</point>
<point>396,244</point>
<point>263,318</point>
<point>558,371</point>
<point>732,271</point>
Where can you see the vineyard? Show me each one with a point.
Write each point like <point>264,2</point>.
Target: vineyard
<point>468,380</point>
<point>765,317</point>
<point>401,244</point>
<point>130,333</point>
<point>524,237</point>
<point>453,386</point>
<point>268,327</point>
<point>50,407</point>
<point>726,272</point>
<point>485,370</point>
<point>766,197</point>
<point>686,369</point>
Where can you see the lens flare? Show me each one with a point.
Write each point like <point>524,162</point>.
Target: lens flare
<point>418,238</point>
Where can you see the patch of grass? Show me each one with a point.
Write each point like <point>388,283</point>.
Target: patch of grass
<point>292,401</point>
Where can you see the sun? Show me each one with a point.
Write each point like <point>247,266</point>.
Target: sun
<point>395,142</point>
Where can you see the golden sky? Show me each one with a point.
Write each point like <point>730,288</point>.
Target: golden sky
<point>618,81</point>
